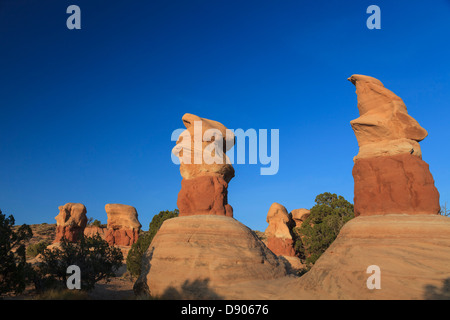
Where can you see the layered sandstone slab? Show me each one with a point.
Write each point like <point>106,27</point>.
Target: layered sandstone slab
<point>278,233</point>
<point>70,222</point>
<point>401,184</point>
<point>123,225</point>
<point>413,253</point>
<point>202,147</point>
<point>384,127</point>
<point>205,255</point>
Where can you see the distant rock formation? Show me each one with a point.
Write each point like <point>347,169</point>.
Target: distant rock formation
<point>279,231</point>
<point>70,222</point>
<point>123,225</point>
<point>389,175</point>
<point>91,231</point>
<point>299,216</point>
<point>204,166</point>
<point>202,255</point>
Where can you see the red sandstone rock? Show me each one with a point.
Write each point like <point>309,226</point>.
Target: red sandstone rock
<point>71,234</point>
<point>204,195</point>
<point>123,225</point>
<point>394,184</point>
<point>70,222</point>
<point>121,237</point>
<point>281,247</point>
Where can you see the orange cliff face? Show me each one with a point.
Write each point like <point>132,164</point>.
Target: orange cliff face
<point>390,176</point>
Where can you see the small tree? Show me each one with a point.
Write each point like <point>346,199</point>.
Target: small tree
<point>322,226</point>
<point>13,266</point>
<point>138,249</point>
<point>97,223</point>
<point>34,249</point>
<point>444,211</point>
<point>95,258</point>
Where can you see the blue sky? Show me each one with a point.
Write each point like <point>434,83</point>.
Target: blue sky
<point>87,115</point>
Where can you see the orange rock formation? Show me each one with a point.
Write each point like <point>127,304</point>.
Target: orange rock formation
<point>204,166</point>
<point>390,176</point>
<point>70,222</point>
<point>123,225</point>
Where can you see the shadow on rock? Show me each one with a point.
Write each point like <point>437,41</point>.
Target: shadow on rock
<point>435,293</point>
<point>191,290</point>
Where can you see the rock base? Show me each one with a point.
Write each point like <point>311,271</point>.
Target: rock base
<point>198,256</point>
<point>402,184</point>
<point>205,195</point>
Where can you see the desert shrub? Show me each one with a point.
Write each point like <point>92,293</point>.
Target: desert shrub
<point>95,258</point>
<point>96,223</point>
<point>322,226</point>
<point>138,249</point>
<point>13,266</point>
<point>37,248</point>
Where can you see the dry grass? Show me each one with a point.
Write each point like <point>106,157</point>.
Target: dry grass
<point>62,294</point>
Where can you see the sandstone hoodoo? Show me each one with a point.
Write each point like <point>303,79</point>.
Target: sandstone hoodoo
<point>397,229</point>
<point>70,222</point>
<point>278,233</point>
<point>123,225</point>
<point>204,166</point>
<point>204,252</point>
<point>390,176</point>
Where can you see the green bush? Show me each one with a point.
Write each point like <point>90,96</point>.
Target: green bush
<point>322,226</point>
<point>96,223</point>
<point>138,249</point>
<point>95,258</point>
<point>13,266</point>
<point>34,249</point>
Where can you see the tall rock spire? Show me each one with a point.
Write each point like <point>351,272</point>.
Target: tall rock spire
<point>204,166</point>
<point>390,175</point>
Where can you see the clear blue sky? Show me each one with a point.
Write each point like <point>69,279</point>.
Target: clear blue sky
<point>86,115</point>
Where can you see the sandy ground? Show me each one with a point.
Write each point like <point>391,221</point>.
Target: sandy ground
<point>118,288</point>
